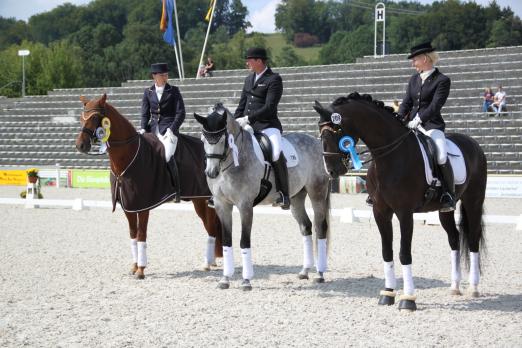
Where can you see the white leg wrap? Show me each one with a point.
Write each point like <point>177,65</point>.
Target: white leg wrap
<point>322,259</point>
<point>390,282</point>
<point>134,250</point>
<point>407,277</point>
<point>142,254</point>
<point>210,254</point>
<point>248,268</point>
<point>228,261</point>
<point>474,273</point>
<point>308,252</point>
<point>455,269</point>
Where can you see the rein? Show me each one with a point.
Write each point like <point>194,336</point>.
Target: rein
<point>386,149</point>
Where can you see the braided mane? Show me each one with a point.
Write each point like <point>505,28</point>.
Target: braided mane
<point>364,97</point>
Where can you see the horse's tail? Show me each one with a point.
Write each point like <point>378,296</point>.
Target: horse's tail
<point>464,227</point>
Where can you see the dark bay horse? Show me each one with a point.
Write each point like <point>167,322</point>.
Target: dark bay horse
<point>397,185</point>
<point>101,119</point>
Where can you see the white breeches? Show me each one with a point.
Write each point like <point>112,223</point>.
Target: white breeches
<point>440,141</point>
<point>275,139</point>
<point>169,141</point>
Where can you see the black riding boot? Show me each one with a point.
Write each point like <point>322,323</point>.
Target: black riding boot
<point>174,176</point>
<point>281,179</point>
<point>448,185</point>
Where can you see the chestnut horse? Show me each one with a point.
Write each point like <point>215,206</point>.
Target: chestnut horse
<point>122,141</point>
<point>397,185</point>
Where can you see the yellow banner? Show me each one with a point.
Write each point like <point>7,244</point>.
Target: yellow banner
<point>13,177</point>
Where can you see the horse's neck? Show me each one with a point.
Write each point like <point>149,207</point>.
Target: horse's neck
<point>377,130</point>
<point>121,128</point>
<point>121,155</point>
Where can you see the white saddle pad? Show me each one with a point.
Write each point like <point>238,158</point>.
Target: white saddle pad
<point>288,149</point>
<point>456,160</point>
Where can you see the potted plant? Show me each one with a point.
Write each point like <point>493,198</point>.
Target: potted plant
<point>32,175</point>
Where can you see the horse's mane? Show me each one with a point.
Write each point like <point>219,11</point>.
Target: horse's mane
<point>364,98</point>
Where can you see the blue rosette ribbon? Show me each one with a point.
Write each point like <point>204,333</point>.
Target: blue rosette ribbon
<point>347,145</point>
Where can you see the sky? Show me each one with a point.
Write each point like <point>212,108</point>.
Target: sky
<point>261,12</point>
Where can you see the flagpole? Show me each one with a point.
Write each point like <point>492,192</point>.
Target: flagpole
<point>206,38</point>
<point>179,42</point>
<point>177,61</point>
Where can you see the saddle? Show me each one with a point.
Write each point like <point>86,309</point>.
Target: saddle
<point>266,149</point>
<point>431,168</point>
<point>431,153</point>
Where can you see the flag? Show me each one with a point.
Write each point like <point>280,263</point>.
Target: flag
<point>209,12</point>
<point>163,20</point>
<point>166,22</point>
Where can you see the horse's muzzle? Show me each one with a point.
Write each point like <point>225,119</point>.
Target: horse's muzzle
<point>212,173</point>
<point>83,147</point>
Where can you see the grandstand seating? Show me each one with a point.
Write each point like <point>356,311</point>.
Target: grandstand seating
<point>40,130</point>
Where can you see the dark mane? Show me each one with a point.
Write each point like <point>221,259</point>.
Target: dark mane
<point>364,97</point>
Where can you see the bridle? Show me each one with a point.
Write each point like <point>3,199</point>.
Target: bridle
<point>377,152</point>
<point>213,138</point>
<point>98,113</point>
<point>336,129</point>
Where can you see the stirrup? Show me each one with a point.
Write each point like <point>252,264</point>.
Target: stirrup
<point>448,203</point>
<point>177,197</point>
<point>369,201</point>
<point>210,202</point>
<point>282,201</point>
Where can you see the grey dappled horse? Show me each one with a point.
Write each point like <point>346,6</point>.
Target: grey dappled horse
<point>234,175</point>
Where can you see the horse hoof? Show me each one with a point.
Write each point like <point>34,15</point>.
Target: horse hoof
<point>318,280</point>
<point>455,292</point>
<point>245,285</point>
<point>385,300</point>
<point>473,291</point>
<point>206,267</point>
<point>304,274</point>
<point>407,303</point>
<point>140,273</point>
<point>133,269</point>
<point>474,294</point>
<point>224,283</point>
<point>387,297</point>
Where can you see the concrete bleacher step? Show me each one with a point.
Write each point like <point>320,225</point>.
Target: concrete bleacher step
<point>496,51</point>
<point>41,130</point>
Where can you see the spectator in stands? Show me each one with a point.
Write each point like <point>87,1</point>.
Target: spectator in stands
<point>162,113</point>
<point>209,67</point>
<point>499,101</point>
<point>487,99</point>
<point>261,94</point>
<point>426,94</point>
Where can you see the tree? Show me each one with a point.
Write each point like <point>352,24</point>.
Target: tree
<point>13,32</point>
<point>288,57</point>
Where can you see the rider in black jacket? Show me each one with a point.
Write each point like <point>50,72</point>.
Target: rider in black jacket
<point>162,113</point>
<point>427,92</point>
<point>261,94</point>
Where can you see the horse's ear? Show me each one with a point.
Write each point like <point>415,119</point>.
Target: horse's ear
<point>201,119</point>
<point>103,99</point>
<point>84,99</point>
<point>325,114</point>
